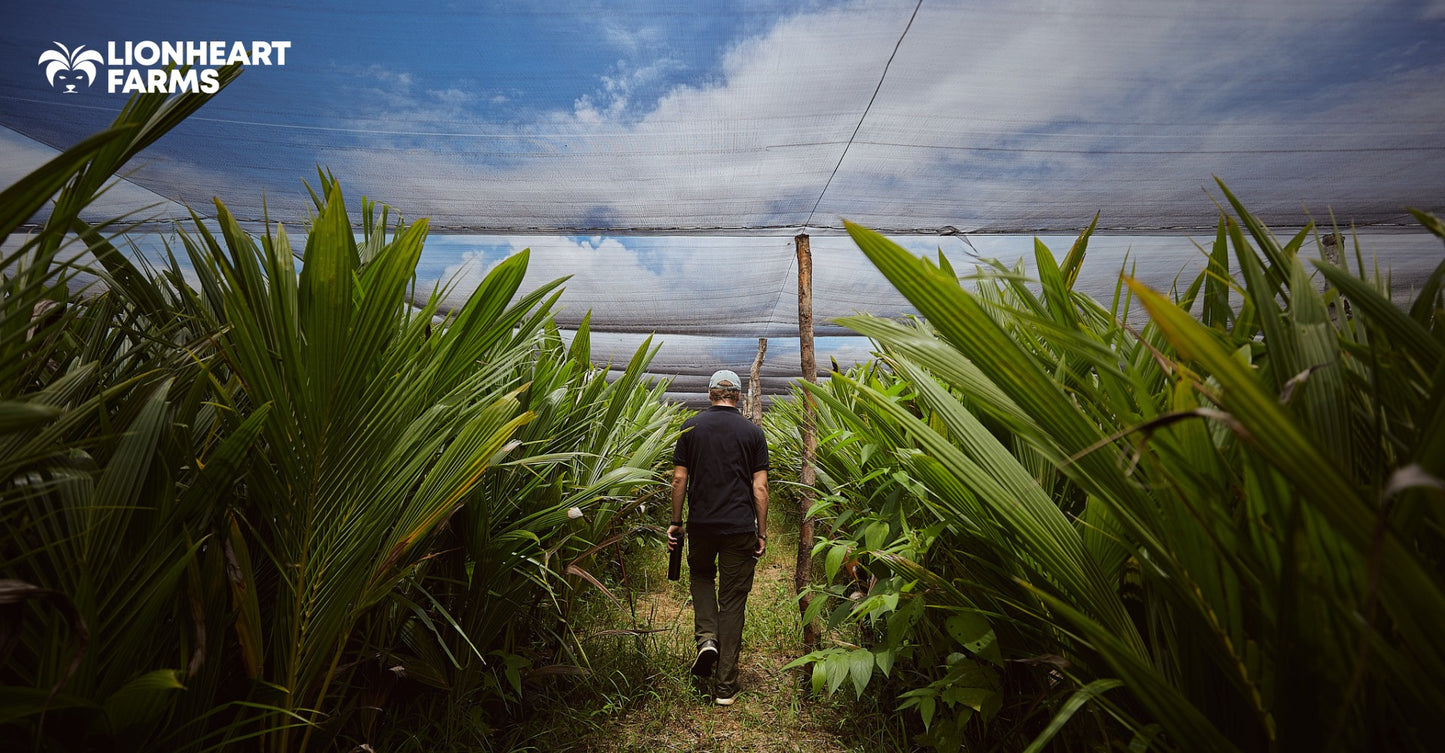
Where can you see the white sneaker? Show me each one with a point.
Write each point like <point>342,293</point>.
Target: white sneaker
<point>728,701</point>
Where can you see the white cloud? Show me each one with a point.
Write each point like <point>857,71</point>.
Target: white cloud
<point>971,89</point>
<point>123,198</point>
<point>613,102</point>
<point>944,144</point>
<point>744,287</point>
<point>399,81</point>
<point>451,96</point>
<point>625,292</point>
<point>632,40</point>
<point>711,298</point>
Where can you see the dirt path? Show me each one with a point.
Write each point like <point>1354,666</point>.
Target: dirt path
<point>772,714</point>
<point>665,710</point>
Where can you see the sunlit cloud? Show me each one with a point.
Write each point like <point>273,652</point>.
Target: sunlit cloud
<point>994,119</point>
<point>1035,120</point>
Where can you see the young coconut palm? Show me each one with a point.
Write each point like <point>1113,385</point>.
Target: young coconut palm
<point>378,425</point>
<point>496,603</point>
<point>1220,524</point>
<point>105,436</point>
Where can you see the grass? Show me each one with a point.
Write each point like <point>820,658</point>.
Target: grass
<point>641,697</point>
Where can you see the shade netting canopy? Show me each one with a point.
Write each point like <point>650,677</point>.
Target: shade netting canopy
<point>671,151</point>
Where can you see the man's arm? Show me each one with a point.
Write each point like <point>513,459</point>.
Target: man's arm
<point>679,490</point>
<point>760,508</point>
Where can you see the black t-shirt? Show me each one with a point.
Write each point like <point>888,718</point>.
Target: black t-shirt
<point>721,451</point>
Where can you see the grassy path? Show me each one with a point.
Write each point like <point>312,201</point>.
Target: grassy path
<point>641,697</point>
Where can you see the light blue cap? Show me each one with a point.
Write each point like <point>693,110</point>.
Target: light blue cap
<point>726,380</point>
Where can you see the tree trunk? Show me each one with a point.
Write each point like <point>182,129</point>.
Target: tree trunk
<point>755,387</point>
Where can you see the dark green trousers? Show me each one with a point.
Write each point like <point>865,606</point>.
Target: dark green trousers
<point>720,574</point>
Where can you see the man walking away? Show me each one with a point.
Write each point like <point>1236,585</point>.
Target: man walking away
<point>720,466</point>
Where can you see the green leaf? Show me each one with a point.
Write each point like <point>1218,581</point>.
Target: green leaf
<point>1413,595</point>
<point>1056,288</point>
<point>876,535</point>
<point>901,621</point>
<point>1143,739</point>
<point>1074,261</point>
<point>25,197</point>
<point>244,600</point>
<point>884,659</point>
<point>815,607</point>
<point>973,698</point>
<point>1216,311</point>
<point>142,700</point>
<point>926,706</point>
<point>841,613</point>
<point>839,666</point>
<point>1165,702</point>
<point>1429,222</point>
<point>974,632</point>
<point>834,561</point>
<point>513,668</point>
<point>18,416</point>
<point>860,669</point>
<point>227,461</point>
<point>1066,712</point>
<point>1411,335</point>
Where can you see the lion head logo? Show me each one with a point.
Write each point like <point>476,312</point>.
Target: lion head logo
<point>69,67</point>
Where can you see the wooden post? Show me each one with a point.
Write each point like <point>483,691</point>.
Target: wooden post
<point>1332,243</point>
<point>803,574</point>
<point>755,387</point>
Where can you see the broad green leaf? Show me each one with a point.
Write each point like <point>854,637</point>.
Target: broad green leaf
<point>142,700</point>
<point>815,608</point>
<point>860,669</point>
<point>974,632</point>
<point>838,667</point>
<point>876,535</point>
<point>18,416</point>
<point>885,660</point>
<point>973,698</point>
<point>834,560</point>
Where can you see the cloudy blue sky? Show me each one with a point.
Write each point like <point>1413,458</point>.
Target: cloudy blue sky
<point>984,115</point>
<point>665,153</point>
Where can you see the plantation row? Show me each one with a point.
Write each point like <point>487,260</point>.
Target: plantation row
<point>287,509</point>
<point>255,514</point>
<point>1224,532</point>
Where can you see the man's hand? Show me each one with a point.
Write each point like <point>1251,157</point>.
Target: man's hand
<point>760,509</point>
<point>674,536</point>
